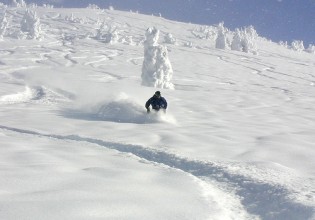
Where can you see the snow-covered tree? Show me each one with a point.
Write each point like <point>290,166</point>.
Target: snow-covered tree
<point>284,44</point>
<point>31,25</point>
<point>221,41</point>
<point>237,43</point>
<point>48,6</point>
<point>74,19</point>
<point>3,26</point>
<point>151,37</point>
<point>245,40</point>
<point>93,6</point>
<point>311,49</point>
<point>156,69</point>
<point>169,39</point>
<point>251,32</point>
<point>19,3</point>
<point>32,5</point>
<point>107,33</point>
<point>205,32</point>
<point>127,40</point>
<point>297,45</point>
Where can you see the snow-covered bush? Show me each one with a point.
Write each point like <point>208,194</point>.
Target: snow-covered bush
<point>156,69</point>
<point>31,25</point>
<point>297,45</point>
<point>107,34</point>
<point>169,39</point>
<point>311,49</point>
<point>3,26</point>
<point>245,40</point>
<point>111,8</point>
<point>221,41</point>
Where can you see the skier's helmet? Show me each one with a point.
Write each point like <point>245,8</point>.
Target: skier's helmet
<point>157,93</point>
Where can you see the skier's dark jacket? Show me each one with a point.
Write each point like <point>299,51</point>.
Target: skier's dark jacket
<point>156,103</point>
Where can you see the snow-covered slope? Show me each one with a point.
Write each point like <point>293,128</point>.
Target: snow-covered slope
<point>237,141</point>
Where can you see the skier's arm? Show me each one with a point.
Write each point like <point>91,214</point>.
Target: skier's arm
<point>165,103</point>
<point>147,104</point>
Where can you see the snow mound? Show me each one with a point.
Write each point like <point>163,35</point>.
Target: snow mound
<point>121,111</point>
<point>35,94</point>
<point>27,95</point>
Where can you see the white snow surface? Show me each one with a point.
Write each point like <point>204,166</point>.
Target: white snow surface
<point>237,141</point>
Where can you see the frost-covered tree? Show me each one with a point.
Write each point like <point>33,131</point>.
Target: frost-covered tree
<point>297,45</point>
<point>19,3</point>
<point>311,49</point>
<point>221,41</point>
<point>127,40</point>
<point>107,34</point>
<point>3,26</point>
<point>169,39</point>
<point>245,40</point>
<point>251,32</point>
<point>48,6</point>
<point>74,19</point>
<point>284,44</point>
<point>205,32</point>
<point>237,43</point>
<point>31,25</point>
<point>156,69</point>
<point>32,5</point>
<point>93,6</point>
<point>250,40</point>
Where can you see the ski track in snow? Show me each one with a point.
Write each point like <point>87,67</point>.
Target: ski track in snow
<point>264,71</point>
<point>262,199</point>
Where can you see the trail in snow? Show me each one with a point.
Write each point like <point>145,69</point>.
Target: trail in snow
<point>266,200</point>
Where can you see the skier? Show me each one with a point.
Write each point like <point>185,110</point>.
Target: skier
<point>157,102</point>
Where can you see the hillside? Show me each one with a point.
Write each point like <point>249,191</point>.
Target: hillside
<point>237,141</point>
